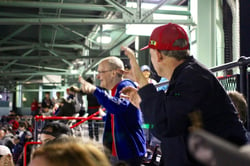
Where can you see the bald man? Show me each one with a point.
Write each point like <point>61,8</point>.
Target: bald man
<point>123,134</point>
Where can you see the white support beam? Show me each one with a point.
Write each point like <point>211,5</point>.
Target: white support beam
<point>84,21</point>
<point>57,5</point>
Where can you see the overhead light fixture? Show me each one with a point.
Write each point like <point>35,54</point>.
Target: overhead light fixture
<point>105,39</point>
<point>140,29</point>
<point>73,71</point>
<point>146,29</point>
<point>151,5</point>
<point>51,79</point>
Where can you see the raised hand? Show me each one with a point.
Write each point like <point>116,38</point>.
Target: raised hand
<point>86,86</point>
<point>131,94</point>
<point>135,68</point>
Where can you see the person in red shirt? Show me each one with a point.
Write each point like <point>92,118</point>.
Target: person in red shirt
<point>34,107</point>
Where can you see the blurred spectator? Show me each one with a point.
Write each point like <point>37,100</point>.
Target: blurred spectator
<point>70,95</point>
<point>240,104</point>
<point>34,107</point>
<point>77,100</point>
<point>93,107</point>
<point>6,156</point>
<point>58,96</point>
<point>56,103</point>
<point>6,138</point>
<point>14,121</point>
<point>47,102</point>
<point>163,87</point>
<point>22,128</point>
<point>146,71</point>
<point>23,136</point>
<point>47,111</point>
<point>54,130</point>
<point>70,152</point>
<point>65,108</point>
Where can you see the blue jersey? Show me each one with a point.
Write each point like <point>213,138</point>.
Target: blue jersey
<point>129,137</point>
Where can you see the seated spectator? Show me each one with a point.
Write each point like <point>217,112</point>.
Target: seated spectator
<point>240,104</point>
<point>6,156</point>
<point>6,138</point>
<point>46,111</point>
<point>54,130</point>
<point>68,153</point>
<point>22,136</point>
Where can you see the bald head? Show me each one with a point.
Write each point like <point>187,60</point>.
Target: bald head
<point>113,62</point>
<point>110,72</point>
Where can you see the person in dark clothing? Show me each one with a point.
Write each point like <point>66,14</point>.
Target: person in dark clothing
<point>93,107</point>
<point>66,109</point>
<point>54,130</point>
<point>47,102</point>
<point>76,98</point>
<point>193,90</point>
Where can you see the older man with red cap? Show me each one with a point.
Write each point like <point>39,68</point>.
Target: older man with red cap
<point>193,92</point>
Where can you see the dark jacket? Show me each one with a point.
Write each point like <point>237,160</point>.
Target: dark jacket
<point>67,109</point>
<point>191,88</point>
<point>129,137</point>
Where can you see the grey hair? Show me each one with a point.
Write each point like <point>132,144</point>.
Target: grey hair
<point>178,54</point>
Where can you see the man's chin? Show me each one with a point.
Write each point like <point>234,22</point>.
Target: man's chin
<point>102,86</point>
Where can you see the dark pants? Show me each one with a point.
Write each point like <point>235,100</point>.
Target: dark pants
<point>93,127</point>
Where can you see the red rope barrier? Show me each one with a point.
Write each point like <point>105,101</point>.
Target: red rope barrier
<point>222,77</point>
<point>83,119</point>
<point>25,150</point>
<point>63,118</point>
<point>88,118</point>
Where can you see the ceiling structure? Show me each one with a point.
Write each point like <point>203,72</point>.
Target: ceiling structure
<point>45,37</point>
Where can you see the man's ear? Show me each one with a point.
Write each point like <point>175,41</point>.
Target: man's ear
<point>159,56</point>
<point>120,71</point>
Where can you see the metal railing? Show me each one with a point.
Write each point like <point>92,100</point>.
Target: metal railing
<point>242,63</point>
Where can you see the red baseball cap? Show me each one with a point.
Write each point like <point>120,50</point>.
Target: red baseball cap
<point>163,37</point>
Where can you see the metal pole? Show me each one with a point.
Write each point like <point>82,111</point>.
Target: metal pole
<point>243,75</point>
<point>35,129</point>
<point>244,89</point>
